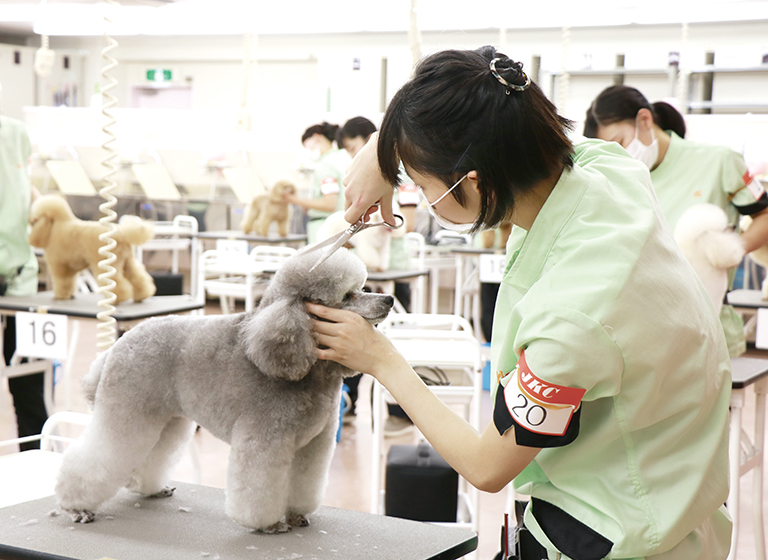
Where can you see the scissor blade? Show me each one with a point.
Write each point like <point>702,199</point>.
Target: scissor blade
<point>337,241</point>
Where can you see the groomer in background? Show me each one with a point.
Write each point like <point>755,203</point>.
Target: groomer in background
<point>18,267</point>
<point>327,194</point>
<point>683,173</point>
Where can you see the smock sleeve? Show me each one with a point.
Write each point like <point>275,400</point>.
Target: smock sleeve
<point>744,190</point>
<point>565,358</point>
<point>329,179</point>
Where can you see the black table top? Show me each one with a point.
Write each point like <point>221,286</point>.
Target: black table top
<point>238,234</point>
<point>745,371</point>
<point>192,524</point>
<point>86,305</point>
<point>747,298</point>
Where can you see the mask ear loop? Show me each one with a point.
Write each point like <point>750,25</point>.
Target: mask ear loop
<point>505,83</point>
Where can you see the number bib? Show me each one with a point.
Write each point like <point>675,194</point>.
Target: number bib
<point>536,406</point>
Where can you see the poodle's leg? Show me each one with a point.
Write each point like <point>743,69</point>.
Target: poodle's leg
<point>151,478</point>
<point>309,475</point>
<point>101,461</point>
<point>142,283</point>
<point>262,225</point>
<point>282,228</point>
<point>64,281</point>
<point>258,479</point>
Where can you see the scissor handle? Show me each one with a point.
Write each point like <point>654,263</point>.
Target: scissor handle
<point>369,225</point>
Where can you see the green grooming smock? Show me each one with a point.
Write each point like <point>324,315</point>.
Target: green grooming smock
<point>693,173</point>
<point>326,179</point>
<point>606,359</point>
<point>18,264</point>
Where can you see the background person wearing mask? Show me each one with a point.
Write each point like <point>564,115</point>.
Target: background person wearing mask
<point>327,189</point>
<point>683,173</point>
<point>352,137</point>
<point>18,267</point>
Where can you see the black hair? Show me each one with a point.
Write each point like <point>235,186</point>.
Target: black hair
<point>354,127</point>
<point>454,116</point>
<point>326,129</point>
<point>619,103</point>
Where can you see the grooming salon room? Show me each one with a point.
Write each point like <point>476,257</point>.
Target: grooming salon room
<point>383,279</point>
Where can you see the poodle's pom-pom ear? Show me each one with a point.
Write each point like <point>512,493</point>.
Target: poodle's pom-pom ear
<point>278,340</point>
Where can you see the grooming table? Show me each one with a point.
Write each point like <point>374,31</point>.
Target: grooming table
<point>83,305</point>
<point>294,239</point>
<point>192,524</point>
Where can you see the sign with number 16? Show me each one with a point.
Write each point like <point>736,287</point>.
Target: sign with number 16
<point>41,335</point>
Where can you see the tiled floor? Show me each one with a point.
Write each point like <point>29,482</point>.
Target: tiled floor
<point>350,474</point>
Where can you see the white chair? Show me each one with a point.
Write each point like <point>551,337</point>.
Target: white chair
<point>178,235</point>
<point>234,275</point>
<point>438,341</point>
<point>416,247</point>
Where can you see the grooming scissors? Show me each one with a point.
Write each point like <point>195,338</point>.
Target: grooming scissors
<point>332,244</point>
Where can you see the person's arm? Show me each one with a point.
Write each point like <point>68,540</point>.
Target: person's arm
<point>365,186</point>
<point>757,234</point>
<point>489,461</point>
<point>326,203</point>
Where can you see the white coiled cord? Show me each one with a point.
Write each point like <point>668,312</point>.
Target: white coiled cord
<point>681,87</point>
<point>107,325</point>
<point>414,33</point>
<point>565,77</point>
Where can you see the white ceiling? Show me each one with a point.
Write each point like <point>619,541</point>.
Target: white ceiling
<point>224,17</point>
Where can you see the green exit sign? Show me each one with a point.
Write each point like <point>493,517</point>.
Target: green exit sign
<point>157,75</point>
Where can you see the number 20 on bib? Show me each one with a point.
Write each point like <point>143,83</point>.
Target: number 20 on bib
<point>538,406</point>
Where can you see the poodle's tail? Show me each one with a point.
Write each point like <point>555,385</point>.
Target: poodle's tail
<point>134,230</point>
<point>91,380</point>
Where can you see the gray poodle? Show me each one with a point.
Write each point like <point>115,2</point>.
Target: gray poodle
<point>252,379</point>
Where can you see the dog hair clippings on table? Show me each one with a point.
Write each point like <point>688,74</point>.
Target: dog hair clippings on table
<point>505,83</point>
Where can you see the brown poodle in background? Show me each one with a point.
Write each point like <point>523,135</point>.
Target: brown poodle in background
<point>267,208</point>
<point>72,245</point>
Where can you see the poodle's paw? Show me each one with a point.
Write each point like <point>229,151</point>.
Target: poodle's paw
<point>297,520</point>
<point>166,492</point>
<point>81,515</point>
<point>275,528</point>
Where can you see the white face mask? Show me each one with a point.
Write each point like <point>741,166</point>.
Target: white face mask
<point>646,154</point>
<point>443,222</point>
<point>314,155</point>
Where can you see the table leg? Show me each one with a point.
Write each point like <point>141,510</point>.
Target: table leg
<point>757,475</point>
<point>734,459</point>
<point>378,441</point>
<point>457,294</point>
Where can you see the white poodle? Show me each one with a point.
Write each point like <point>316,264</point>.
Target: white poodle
<point>252,379</point>
<point>759,255</point>
<point>703,234</point>
<point>372,245</point>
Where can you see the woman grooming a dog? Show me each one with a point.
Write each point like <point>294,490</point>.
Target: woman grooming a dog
<point>612,379</point>
<point>327,194</point>
<point>683,173</point>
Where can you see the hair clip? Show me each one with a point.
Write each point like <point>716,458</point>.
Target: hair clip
<point>505,83</point>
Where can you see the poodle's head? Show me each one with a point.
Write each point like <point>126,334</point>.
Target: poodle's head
<point>281,188</point>
<point>46,210</point>
<point>278,336</point>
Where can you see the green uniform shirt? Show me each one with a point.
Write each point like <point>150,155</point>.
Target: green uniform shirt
<point>327,179</point>
<point>625,380</point>
<point>15,251</point>
<point>693,173</point>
